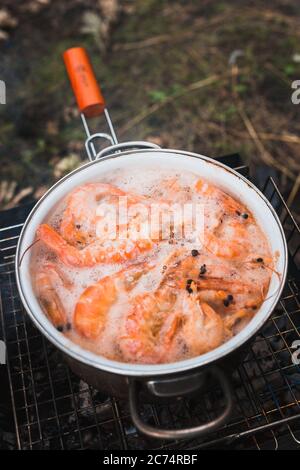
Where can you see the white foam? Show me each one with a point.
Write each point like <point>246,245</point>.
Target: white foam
<point>162,184</point>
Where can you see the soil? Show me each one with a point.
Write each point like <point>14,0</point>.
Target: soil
<point>212,77</point>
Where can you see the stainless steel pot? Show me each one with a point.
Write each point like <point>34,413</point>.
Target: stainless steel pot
<point>159,380</point>
<point>164,380</point>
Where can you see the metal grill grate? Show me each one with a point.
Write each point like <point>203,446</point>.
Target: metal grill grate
<point>53,409</point>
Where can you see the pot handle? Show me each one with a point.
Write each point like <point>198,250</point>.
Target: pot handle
<point>91,103</point>
<point>186,433</point>
<point>125,146</point>
<point>87,92</point>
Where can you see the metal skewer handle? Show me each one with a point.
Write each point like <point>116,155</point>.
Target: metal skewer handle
<point>91,103</point>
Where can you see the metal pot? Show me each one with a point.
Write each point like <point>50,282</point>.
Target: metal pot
<point>163,380</point>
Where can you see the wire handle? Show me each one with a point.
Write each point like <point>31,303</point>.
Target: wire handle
<point>88,95</point>
<point>91,104</point>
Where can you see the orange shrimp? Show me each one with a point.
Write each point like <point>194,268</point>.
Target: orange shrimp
<point>229,240</point>
<point>216,277</point>
<point>159,322</point>
<point>227,236</point>
<point>214,284</point>
<point>111,251</point>
<point>203,329</point>
<point>174,189</point>
<point>47,278</point>
<point>227,203</point>
<point>93,306</point>
<point>154,324</point>
<point>149,328</point>
<point>78,225</point>
<point>79,243</point>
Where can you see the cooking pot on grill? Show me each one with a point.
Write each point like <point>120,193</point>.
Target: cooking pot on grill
<point>162,381</point>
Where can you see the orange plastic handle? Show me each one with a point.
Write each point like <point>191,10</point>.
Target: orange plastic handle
<point>83,81</point>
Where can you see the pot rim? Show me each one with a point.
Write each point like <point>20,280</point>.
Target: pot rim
<point>149,370</point>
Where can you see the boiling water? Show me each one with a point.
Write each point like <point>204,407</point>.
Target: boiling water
<point>162,185</point>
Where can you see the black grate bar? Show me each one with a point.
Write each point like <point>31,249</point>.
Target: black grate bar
<point>54,409</point>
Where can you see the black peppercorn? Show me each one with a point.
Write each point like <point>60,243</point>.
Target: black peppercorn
<point>202,270</point>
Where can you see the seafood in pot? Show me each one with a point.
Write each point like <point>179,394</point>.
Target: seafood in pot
<point>150,299</point>
<point>77,242</point>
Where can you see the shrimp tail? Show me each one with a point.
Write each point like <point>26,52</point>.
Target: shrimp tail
<point>49,298</point>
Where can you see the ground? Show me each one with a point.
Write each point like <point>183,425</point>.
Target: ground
<point>212,77</point>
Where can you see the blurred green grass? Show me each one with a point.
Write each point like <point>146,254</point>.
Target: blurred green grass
<point>155,52</point>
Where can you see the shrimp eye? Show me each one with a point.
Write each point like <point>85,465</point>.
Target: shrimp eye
<point>245,216</point>
<point>202,270</point>
<point>195,252</point>
<point>228,300</point>
<point>259,260</point>
<point>188,286</point>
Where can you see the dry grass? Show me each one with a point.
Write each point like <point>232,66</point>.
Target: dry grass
<point>168,74</point>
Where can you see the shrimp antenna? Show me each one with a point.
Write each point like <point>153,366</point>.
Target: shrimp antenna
<point>273,270</point>
<point>265,266</point>
<point>28,248</point>
<point>272,295</point>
